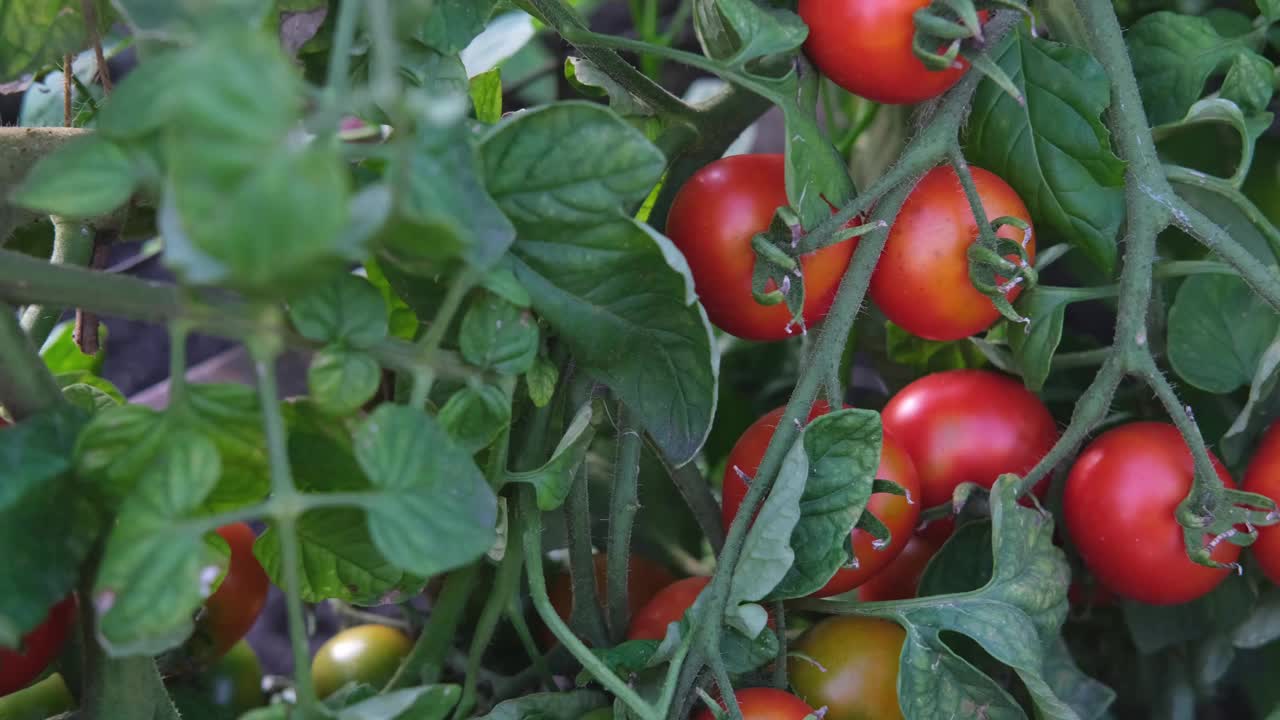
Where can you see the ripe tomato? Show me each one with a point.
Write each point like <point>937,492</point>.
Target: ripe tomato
<point>365,653</point>
<point>764,704</point>
<point>922,281</point>
<point>712,221</point>
<point>234,682</point>
<point>45,699</point>
<point>669,605</point>
<point>968,426</point>
<point>864,46</point>
<point>849,664</point>
<point>897,512</point>
<point>901,579</point>
<point>21,666</point>
<point>1120,503</point>
<point>1263,477</point>
<point>233,608</point>
<point>644,579</point>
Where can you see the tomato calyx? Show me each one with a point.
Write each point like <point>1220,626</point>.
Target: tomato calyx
<point>1235,509</point>
<point>994,274</point>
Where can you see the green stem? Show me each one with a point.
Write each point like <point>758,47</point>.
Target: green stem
<point>727,694</point>
<point>696,492</point>
<point>529,520</point>
<point>430,342</point>
<point>385,76</point>
<point>339,75</point>
<point>426,660</point>
<point>586,616</point>
<point>505,586</point>
<point>539,663</point>
<point>623,506</point>
<point>780,631</point>
<point>1084,358</point>
<point>1262,277</point>
<point>1224,188</point>
<point>26,387</point>
<point>72,245</point>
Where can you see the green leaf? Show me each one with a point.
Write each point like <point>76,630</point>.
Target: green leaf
<point>1089,698</point>
<point>486,96</point>
<point>432,512</point>
<point>1221,110</point>
<point>1262,626</point>
<point>541,381</point>
<point>619,294</point>
<point>169,19</point>
<point>740,30</point>
<point>442,209</point>
<point>1218,332</point>
<point>150,97</point>
<point>90,393</point>
<point>496,335</point>
<point>929,356</point>
<point>1175,55</point>
<point>1033,348</point>
<point>155,572</point>
<point>474,416</point>
<point>348,310</point>
<point>402,321</point>
<point>85,178</point>
<point>341,380</point>
<point>1054,150</point>
<point>571,705</point>
<point>1153,628</point>
<point>552,481</point>
<point>1270,9</point>
<point>1262,406</point>
<point>593,82</point>
<point>844,453</point>
<point>453,25</point>
<point>39,32</point>
<point>428,702</point>
<point>61,354</point>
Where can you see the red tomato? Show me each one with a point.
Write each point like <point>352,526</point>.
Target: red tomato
<point>922,281</point>
<point>864,46</point>
<point>669,605</point>
<point>898,513</point>
<point>1263,477</point>
<point>233,608</point>
<point>1120,505</point>
<point>901,579</point>
<point>19,667</point>
<point>645,579</point>
<point>849,665</point>
<point>764,704</point>
<point>968,426</point>
<point>712,221</point>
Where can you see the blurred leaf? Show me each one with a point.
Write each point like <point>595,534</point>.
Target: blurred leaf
<point>62,355</point>
<point>170,19</point>
<point>348,310</point>
<point>85,178</point>
<point>402,321</point>
<point>504,37</point>
<point>428,702</point>
<point>451,26</point>
<point>541,381</point>
<point>1218,332</point>
<point>39,32</point>
<point>1089,698</point>
<point>486,96</point>
<point>929,356</point>
<point>341,380</point>
<point>1154,628</point>
<point>570,705</point>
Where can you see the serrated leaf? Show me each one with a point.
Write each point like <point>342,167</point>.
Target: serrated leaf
<point>1054,150</point>
<point>430,512</point>
<point>1218,332</point>
<point>619,294</point>
<point>341,380</point>
<point>496,335</point>
<point>348,310</point>
<point>552,481</point>
<point>38,32</point>
<point>85,178</point>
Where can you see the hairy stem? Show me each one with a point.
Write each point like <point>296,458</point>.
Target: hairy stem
<point>426,660</point>
<point>623,506</point>
<point>586,616</point>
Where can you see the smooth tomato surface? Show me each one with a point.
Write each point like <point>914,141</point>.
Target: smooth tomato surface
<point>364,653</point>
<point>644,579</point>
<point>1263,477</point>
<point>968,426</point>
<point>898,513</point>
<point>851,668</point>
<point>233,608</point>
<point>922,281</point>
<point>669,605</point>
<point>712,221</point>
<point>1120,502</point>
<point>764,704</point>
<point>864,46</point>
<point>900,580</point>
<point>19,667</point>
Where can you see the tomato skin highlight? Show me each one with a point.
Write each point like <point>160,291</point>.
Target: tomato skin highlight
<point>667,606</point>
<point>365,653</point>
<point>712,220</point>
<point>19,667</point>
<point>1263,477</point>
<point>897,512</point>
<point>864,46</point>
<point>968,426</point>
<point>900,580</point>
<point>922,280</point>
<point>853,670</point>
<point>1120,503</point>
<point>762,703</point>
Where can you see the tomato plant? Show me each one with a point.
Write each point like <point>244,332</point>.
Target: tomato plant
<point>712,221</point>
<point>364,654</point>
<point>898,512</point>
<point>1123,492</point>
<point>668,605</point>
<point>765,704</point>
<point>1263,477</point>
<point>38,648</point>
<point>44,699</point>
<point>233,608</point>
<point>900,579</point>
<point>850,666</point>
<point>645,579</point>
<point>232,684</point>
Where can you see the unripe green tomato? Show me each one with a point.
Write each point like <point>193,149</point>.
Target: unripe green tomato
<point>42,700</point>
<point>233,685</point>
<point>365,653</point>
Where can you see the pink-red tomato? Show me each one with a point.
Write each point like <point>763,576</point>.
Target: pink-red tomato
<point>968,426</point>
<point>865,47</point>
<point>1120,504</point>
<point>667,606</point>
<point>1263,477</point>
<point>900,580</point>
<point>922,280</point>
<point>19,667</point>
<point>764,704</point>
<point>712,221</point>
<point>233,608</point>
<point>897,512</point>
<point>645,579</point>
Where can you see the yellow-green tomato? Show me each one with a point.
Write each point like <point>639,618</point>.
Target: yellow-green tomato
<point>42,700</point>
<point>850,665</point>
<point>365,653</point>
